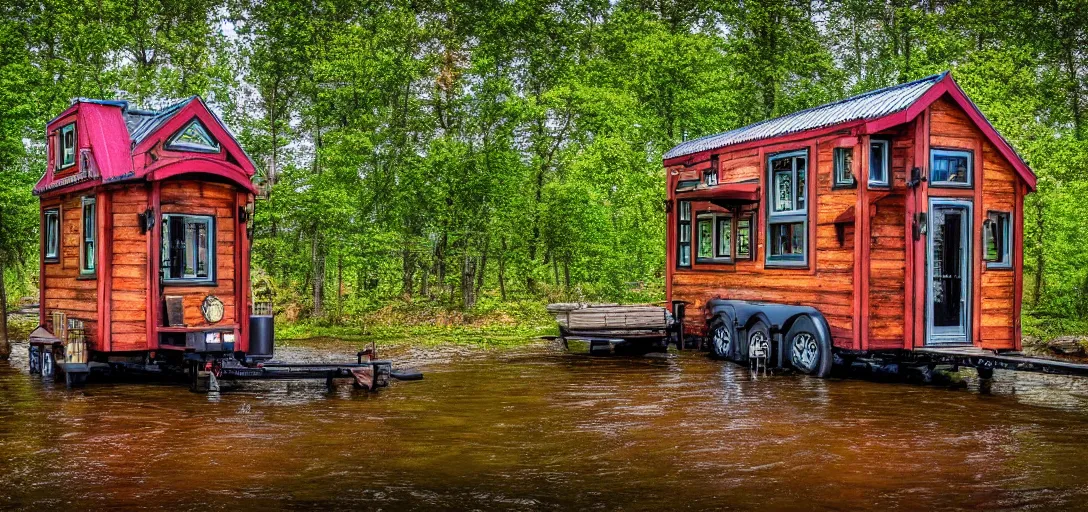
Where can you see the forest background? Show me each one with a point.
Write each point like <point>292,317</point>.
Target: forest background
<point>463,162</point>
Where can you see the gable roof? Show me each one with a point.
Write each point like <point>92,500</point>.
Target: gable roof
<point>113,137</point>
<point>878,110</point>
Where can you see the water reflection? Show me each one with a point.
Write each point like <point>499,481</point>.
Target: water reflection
<point>540,429</point>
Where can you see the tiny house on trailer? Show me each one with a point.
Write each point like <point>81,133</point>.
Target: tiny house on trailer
<point>145,253</point>
<point>888,222</point>
<point>144,246</point>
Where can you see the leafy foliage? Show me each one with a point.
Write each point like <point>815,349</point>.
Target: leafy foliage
<point>453,152</point>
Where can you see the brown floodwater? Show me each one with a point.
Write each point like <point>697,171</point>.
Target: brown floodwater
<point>536,428</point>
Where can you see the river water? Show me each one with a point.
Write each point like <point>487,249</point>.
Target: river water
<point>540,429</point>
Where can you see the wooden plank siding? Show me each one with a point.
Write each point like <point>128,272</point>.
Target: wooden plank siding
<point>826,284</point>
<point>63,288</point>
<point>206,198</point>
<point>994,325</point>
<point>128,299</point>
<point>887,245</point>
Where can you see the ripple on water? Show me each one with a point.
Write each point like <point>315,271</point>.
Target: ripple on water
<point>534,428</point>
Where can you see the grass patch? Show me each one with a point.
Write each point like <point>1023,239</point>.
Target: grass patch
<point>1047,327</point>
<point>491,324</point>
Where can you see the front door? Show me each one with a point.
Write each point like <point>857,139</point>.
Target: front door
<point>948,272</point>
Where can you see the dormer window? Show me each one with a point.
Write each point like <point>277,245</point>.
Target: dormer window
<point>66,146</point>
<point>194,137</point>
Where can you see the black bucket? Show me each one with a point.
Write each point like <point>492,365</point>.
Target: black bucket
<point>261,337</point>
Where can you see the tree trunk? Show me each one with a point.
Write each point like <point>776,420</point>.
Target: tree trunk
<point>468,280</point>
<point>502,270</point>
<point>566,273</point>
<point>425,281</point>
<point>339,286</point>
<point>1040,261</point>
<point>408,271</point>
<point>5,346</point>
<point>318,257</point>
<point>483,267</point>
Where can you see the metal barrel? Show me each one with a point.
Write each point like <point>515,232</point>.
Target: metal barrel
<point>261,337</point>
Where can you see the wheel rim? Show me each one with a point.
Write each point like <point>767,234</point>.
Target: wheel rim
<point>759,345</point>
<point>722,341</point>
<point>806,351</point>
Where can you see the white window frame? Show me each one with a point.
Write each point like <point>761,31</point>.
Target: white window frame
<point>885,152</point>
<point>839,165</point>
<point>938,152</point>
<point>799,213</point>
<point>1005,249</point>
<point>51,234</point>
<point>88,236</point>
<point>61,147</point>
<point>167,254</point>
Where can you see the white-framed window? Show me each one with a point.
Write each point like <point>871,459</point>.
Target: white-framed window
<point>879,163</point>
<point>844,168</point>
<point>88,237</point>
<point>66,146</point>
<point>188,248</point>
<point>950,168</point>
<point>51,234</point>
<point>714,242</point>
<point>787,216</point>
<point>997,240</point>
<point>683,234</point>
<point>193,137</point>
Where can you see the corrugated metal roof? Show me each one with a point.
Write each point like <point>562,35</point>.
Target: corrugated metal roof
<point>142,123</point>
<point>869,105</point>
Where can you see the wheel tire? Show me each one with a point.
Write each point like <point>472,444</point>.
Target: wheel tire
<point>808,352</point>
<point>722,338</point>
<point>759,333</point>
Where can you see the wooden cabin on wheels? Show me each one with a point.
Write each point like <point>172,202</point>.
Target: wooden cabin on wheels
<point>886,223</point>
<point>144,246</point>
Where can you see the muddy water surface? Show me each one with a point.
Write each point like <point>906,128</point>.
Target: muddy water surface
<point>536,428</point>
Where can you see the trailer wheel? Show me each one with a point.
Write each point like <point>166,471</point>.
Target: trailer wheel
<point>808,351</point>
<point>759,341</point>
<point>721,337</point>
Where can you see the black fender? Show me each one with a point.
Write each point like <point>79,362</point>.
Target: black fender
<point>779,317</point>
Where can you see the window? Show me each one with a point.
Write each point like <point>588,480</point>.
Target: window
<point>744,238</point>
<point>844,167</point>
<point>724,232</point>
<point>66,146</point>
<point>87,247</point>
<point>950,168</point>
<point>705,231</point>
<point>787,220</point>
<point>715,238</point>
<point>194,137</point>
<point>997,240</point>
<point>683,251</point>
<point>878,163</point>
<point>51,234</point>
<point>188,248</point>
<point>710,177</point>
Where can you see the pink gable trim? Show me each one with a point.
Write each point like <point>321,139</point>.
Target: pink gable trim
<point>202,165</point>
<point>952,89</point>
<point>197,109</point>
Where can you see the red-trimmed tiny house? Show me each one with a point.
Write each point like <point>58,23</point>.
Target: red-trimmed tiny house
<point>897,214</point>
<point>140,207</point>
